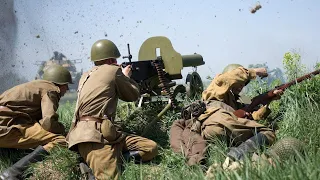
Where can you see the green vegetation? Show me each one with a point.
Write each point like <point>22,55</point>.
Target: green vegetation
<point>296,114</point>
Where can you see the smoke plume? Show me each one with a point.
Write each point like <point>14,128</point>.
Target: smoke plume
<point>8,35</point>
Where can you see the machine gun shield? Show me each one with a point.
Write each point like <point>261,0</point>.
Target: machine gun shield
<point>172,60</point>
<point>154,72</point>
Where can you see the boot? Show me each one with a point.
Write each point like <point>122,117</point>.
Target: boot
<point>249,146</point>
<point>15,172</point>
<point>132,155</point>
<point>86,171</point>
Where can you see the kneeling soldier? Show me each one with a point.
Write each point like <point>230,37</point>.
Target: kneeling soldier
<point>28,118</point>
<point>93,132</point>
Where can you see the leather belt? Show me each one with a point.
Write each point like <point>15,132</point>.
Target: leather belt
<point>4,108</point>
<point>89,118</point>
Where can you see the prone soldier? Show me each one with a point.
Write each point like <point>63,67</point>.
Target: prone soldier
<point>28,118</point>
<point>217,120</point>
<point>93,132</point>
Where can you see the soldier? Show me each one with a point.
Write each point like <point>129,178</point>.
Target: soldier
<point>218,121</point>
<point>222,95</point>
<point>28,118</point>
<point>227,86</point>
<point>93,132</point>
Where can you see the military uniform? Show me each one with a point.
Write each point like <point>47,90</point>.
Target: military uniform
<point>222,122</point>
<point>99,141</point>
<point>218,120</point>
<point>28,118</point>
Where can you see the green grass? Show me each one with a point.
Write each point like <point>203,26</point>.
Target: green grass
<point>68,97</point>
<point>297,114</point>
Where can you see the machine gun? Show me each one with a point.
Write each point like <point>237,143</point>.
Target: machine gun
<point>268,96</point>
<point>158,65</point>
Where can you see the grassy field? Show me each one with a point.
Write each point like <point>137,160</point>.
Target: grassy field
<point>68,97</point>
<point>296,114</point>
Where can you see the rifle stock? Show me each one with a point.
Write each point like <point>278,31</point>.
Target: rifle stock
<point>268,96</point>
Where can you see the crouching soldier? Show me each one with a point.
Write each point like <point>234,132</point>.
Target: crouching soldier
<point>93,132</point>
<point>28,118</point>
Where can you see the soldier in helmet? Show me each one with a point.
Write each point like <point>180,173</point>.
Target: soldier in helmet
<point>223,95</point>
<point>227,86</point>
<point>28,118</point>
<point>93,132</point>
<point>218,121</point>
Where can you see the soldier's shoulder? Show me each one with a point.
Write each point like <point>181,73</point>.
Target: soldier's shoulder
<point>43,84</point>
<point>109,68</point>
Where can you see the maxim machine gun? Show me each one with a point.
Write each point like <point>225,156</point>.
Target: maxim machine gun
<point>158,65</point>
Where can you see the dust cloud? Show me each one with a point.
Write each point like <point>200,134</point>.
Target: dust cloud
<point>8,35</point>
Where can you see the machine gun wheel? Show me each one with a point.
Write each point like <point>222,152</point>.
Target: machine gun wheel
<point>179,92</point>
<point>194,85</point>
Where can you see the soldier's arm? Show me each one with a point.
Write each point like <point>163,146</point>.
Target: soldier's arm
<point>237,76</point>
<point>222,83</point>
<point>127,88</point>
<point>49,107</point>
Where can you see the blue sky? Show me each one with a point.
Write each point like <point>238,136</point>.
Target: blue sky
<point>222,31</point>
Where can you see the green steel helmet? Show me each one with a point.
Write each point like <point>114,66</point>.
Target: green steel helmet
<point>104,49</point>
<point>57,74</point>
<point>286,148</point>
<point>231,67</point>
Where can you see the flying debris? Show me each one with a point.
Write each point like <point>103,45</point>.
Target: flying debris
<point>38,36</point>
<point>256,8</point>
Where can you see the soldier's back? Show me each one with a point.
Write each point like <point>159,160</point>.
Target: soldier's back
<point>27,97</point>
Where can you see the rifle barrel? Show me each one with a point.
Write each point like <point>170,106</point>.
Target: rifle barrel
<point>302,78</point>
<point>265,97</point>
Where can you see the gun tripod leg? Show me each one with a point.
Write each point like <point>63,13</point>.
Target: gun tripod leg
<point>165,109</point>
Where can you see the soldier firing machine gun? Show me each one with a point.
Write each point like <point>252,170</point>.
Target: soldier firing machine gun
<point>158,65</point>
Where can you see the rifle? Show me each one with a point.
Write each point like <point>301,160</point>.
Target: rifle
<point>268,96</point>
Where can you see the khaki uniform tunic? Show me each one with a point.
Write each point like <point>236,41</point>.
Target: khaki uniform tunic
<point>222,122</point>
<point>220,86</point>
<point>28,116</point>
<point>99,91</point>
<point>218,121</point>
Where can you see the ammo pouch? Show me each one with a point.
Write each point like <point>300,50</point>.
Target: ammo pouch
<point>109,130</point>
<point>193,111</point>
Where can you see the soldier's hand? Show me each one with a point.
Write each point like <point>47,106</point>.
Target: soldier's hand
<point>261,72</point>
<point>127,71</point>
<point>278,93</point>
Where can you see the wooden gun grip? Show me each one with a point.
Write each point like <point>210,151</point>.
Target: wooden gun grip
<point>240,113</point>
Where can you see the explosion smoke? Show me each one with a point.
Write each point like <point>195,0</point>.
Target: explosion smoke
<point>8,34</point>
